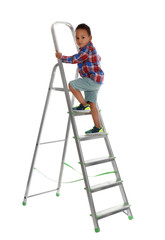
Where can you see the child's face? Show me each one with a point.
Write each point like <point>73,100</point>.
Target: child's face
<point>82,37</point>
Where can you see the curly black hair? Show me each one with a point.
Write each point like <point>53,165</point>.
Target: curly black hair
<point>84,26</point>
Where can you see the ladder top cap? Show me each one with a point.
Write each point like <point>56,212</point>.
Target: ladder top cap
<point>62,22</point>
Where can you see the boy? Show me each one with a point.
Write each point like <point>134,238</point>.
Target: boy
<point>91,75</point>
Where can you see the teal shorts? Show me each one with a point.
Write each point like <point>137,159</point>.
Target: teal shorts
<point>89,86</point>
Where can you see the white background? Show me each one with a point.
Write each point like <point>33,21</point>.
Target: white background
<point>130,37</point>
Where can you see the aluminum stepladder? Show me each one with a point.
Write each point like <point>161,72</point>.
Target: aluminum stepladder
<point>84,164</point>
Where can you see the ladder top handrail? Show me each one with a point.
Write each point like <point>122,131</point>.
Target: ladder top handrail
<point>62,22</point>
<point>54,33</point>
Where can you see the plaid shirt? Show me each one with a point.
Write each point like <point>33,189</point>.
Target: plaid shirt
<point>88,63</point>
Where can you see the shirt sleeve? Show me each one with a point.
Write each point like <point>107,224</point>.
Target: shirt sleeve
<point>81,56</point>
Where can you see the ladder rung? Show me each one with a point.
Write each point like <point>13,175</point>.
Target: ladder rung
<point>53,141</point>
<point>98,161</point>
<point>59,89</point>
<point>93,136</point>
<point>105,185</point>
<point>43,193</point>
<point>111,211</point>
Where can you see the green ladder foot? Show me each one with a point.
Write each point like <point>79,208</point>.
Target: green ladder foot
<point>97,230</point>
<point>57,194</point>
<point>130,217</point>
<point>24,203</point>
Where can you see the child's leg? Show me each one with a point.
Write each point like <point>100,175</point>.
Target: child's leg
<point>78,95</point>
<point>95,114</point>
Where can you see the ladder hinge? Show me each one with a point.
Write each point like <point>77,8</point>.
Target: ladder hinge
<point>89,189</point>
<point>83,163</point>
<point>77,138</point>
<point>95,216</point>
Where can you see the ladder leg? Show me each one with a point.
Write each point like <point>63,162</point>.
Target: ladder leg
<point>85,176</point>
<point>64,153</point>
<point>39,135</point>
<point>130,216</point>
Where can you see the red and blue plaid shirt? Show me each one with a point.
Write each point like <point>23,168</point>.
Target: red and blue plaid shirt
<point>88,63</point>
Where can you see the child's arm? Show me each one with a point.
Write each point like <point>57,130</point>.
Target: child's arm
<point>81,56</point>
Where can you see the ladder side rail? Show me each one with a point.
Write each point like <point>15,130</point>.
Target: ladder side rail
<point>65,144</point>
<point>39,133</point>
<point>90,199</point>
<point>64,153</point>
<point>123,193</point>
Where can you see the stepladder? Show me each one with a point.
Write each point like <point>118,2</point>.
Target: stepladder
<point>84,163</point>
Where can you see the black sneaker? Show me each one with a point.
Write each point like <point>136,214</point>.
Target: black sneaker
<point>81,108</point>
<point>95,130</point>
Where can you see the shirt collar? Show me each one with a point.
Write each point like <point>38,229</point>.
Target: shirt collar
<point>86,45</point>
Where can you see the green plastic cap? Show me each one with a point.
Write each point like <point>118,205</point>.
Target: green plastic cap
<point>130,217</point>
<point>57,194</point>
<point>24,203</point>
<point>97,229</point>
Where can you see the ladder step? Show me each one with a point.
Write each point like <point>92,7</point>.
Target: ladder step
<point>105,185</point>
<point>75,114</point>
<point>82,113</point>
<point>95,161</point>
<point>111,211</point>
<point>93,136</point>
